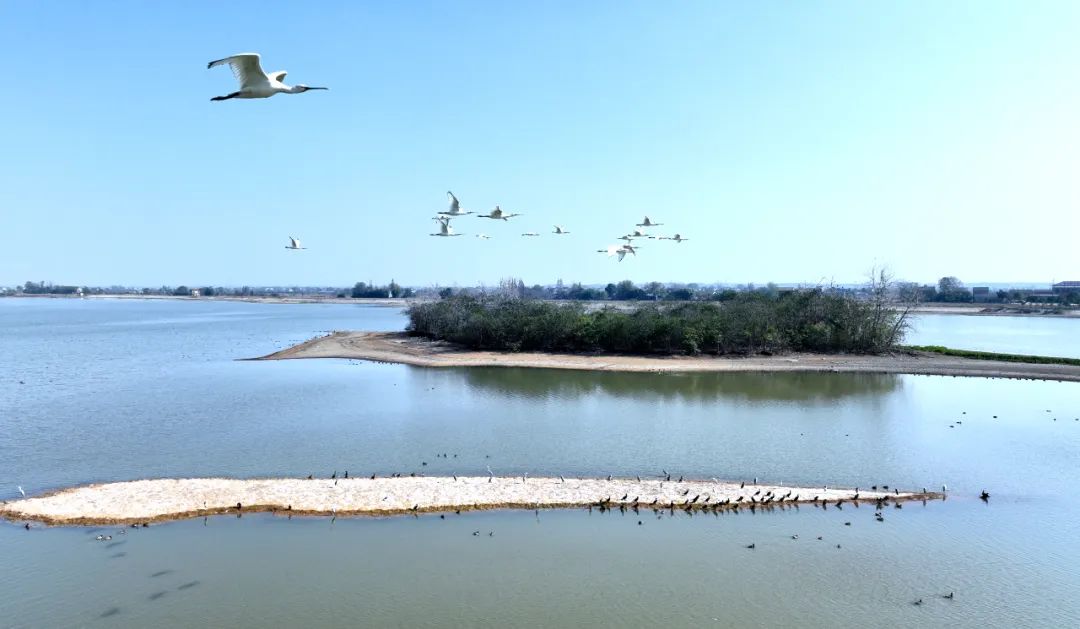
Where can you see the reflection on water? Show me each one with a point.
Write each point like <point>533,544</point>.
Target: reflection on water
<point>107,396</point>
<point>800,388</point>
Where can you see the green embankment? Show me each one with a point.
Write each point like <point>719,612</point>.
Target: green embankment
<point>1011,358</point>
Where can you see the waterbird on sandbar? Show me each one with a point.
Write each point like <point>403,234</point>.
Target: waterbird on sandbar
<point>19,487</point>
<point>949,596</point>
<point>918,602</point>
<point>751,546</point>
<point>294,244</point>
<point>254,83</point>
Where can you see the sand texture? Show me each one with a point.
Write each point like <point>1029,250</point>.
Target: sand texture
<point>173,499</point>
<point>397,347</point>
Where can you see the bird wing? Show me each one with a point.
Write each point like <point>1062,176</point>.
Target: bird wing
<point>245,67</point>
<point>294,242</point>
<point>454,205</point>
<point>278,76</point>
<point>621,254</point>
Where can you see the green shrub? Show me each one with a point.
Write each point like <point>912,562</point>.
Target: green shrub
<point>744,323</point>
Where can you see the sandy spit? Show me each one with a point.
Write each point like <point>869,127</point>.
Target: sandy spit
<point>175,499</point>
<point>398,347</point>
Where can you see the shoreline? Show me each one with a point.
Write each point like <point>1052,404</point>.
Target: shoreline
<point>968,310</point>
<point>166,500</point>
<point>398,347</point>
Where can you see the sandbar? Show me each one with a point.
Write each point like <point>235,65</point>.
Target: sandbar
<point>158,500</point>
<point>399,347</point>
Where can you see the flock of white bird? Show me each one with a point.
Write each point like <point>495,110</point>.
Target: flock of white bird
<point>255,83</point>
<point>616,251</point>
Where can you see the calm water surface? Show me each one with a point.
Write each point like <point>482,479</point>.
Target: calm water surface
<point>99,390</point>
<point>1044,336</point>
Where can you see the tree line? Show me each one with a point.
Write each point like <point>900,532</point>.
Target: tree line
<point>809,320</point>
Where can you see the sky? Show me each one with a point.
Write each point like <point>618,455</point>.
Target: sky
<point>789,141</point>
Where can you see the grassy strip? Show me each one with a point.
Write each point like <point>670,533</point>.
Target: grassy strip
<point>1010,358</point>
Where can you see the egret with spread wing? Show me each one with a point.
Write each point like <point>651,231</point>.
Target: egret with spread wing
<point>254,83</point>
<point>455,207</point>
<point>497,214</point>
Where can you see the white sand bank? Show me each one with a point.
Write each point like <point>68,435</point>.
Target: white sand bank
<point>173,499</point>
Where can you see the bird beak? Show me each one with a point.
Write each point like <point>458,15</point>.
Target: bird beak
<point>318,88</point>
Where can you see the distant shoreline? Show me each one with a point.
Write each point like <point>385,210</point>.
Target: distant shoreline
<point>166,499</point>
<point>398,347</point>
<point>976,310</point>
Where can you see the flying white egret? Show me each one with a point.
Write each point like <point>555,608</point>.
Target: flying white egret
<point>294,244</point>
<point>254,83</point>
<point>560,231</point>
<point>444,228</point>
<point>497,214</point>
<point>455,207</point>
<point>530,234</point>
<point>19,487</point>
<point>648,223</point>
<point>676,238</point>
<point>613,250</point>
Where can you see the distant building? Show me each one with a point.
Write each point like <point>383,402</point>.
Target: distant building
<point>980,294</point>
<point>1066,287</point>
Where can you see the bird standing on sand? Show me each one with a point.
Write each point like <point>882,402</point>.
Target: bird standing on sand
<point>19,487</point>
<point>254,83</point>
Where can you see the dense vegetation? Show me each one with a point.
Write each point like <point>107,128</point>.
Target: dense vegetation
<point>1011,358</point>
<point>747,323</point>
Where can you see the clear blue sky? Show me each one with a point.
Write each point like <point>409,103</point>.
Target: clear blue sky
<point>791,141</point>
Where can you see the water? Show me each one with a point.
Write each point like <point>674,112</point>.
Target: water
<point>120,390</point>
<point>1042,335</point>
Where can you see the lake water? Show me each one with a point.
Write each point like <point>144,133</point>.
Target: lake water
<point>1040,335</point>
<point>109,390</point>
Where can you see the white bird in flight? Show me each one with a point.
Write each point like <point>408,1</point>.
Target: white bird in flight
<point>444,227</point>
<point>530,234</point>
<point>613,250</point>
<point>497,214</point>
<point>455,207</point>
<point>639,233</point>
<point>676,238</point>
<point>21,490</point>
<point>648,223</point>
<point>560,231</point>
<point>628,248</point>
<point>294,244</point>
<point>254,83</point>
<point>484,236</point>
